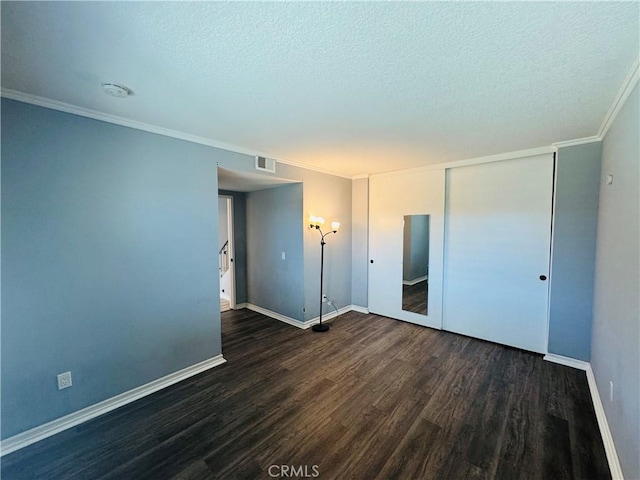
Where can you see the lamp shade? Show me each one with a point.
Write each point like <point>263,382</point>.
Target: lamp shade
<point>335,226</point>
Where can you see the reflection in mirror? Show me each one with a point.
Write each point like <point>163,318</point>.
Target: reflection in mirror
<point>415,264</point>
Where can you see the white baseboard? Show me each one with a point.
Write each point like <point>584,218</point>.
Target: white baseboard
<point>58,425</point>
<point>415,280</point>
<point>308,323</point>
<point>359,309</point>
<point>275,315</point>
<point>328,316</point>
<point>605,432</point>
<point>567,361</point>
<point>240,306</point>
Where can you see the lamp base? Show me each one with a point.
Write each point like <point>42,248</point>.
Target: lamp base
<point>320,327</point>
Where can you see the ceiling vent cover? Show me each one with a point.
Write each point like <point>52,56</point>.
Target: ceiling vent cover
<point>266,164</point>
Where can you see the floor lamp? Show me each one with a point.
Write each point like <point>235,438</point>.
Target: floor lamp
<point>317,222</point>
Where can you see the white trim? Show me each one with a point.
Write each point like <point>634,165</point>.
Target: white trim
<point>603,425</point>
<point>275,315</point>
<point>240,306</point>
<point>147,127</point>
<point>308,323</point>
<point>328,316</point>
<point>58,425</point>
<point>531,152</point>
<point>359,309</point>
<point>577,141</point>
<point>627,87</point>
<point>605,432</point>
<point>231,235</point>
<point>415,280</point>
<point>552,237</point>
<point>566,361</point>
<point>625,90</point>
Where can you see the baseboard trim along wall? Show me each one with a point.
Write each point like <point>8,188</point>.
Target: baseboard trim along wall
<point>359,309</point>
<point>416,280</point>
<point>605,432</point>
<point>58,425</point>
<point>299,323</point>
<point>566,361</point>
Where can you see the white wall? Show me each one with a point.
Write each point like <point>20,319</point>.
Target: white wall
<point>615,347</point>
<point>360,244</point>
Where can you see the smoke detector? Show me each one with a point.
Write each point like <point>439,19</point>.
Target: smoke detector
<point>116,90</point>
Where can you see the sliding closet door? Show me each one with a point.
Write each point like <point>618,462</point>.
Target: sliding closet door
<point>497,246</point>
<point>406,233</point>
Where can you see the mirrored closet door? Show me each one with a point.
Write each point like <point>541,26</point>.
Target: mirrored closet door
<point>406,231</point>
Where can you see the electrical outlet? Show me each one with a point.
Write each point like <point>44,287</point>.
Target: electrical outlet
<point>324,298</point>
<point>64,380</point>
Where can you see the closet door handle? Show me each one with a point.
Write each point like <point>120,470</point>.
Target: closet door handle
<point>543,277</point>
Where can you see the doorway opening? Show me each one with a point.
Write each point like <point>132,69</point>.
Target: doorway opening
<point>226,252</point>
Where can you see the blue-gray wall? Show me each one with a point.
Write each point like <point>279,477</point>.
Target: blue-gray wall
<point>329,197</point>
<point>415,247</point>
<point>239,242</point>
<point>615,348</point>
<point>324,195</point>
<point>110,265</point>
<point>574,250</point>
<point>274,225</point>
<point>108,260</point>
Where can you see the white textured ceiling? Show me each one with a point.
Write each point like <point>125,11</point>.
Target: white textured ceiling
<point>353,87</point>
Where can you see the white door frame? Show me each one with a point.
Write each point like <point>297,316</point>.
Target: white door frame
<point>231,248</point>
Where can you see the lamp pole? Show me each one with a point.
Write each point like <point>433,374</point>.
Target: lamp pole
<point>316,223</point>
<point>321,327</point>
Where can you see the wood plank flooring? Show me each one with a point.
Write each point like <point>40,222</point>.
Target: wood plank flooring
<point>414,297</point>
<point>373,398</point>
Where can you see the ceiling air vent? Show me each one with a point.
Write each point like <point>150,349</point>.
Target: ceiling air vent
<point>266,164</point>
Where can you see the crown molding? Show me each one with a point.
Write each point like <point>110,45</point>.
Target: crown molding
<point>124,122</point>
<point>621,97</point>
<point>147,127</point>
<point>627,87</point>
<point>361,176</point>
<point>577,141</point>
<point>531,152</point>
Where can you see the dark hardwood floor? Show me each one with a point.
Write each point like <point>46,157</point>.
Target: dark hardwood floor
<point>414,297</point>
<point>371,398</point>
